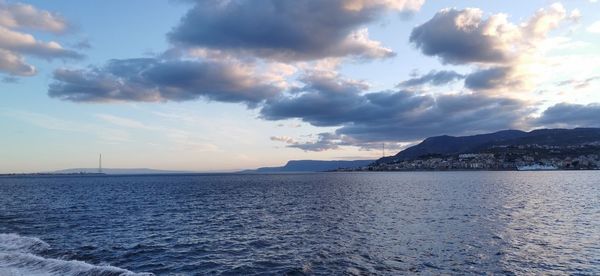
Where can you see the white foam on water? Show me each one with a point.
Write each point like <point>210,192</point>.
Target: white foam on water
<point>16,243</point>
<point>18,258</point>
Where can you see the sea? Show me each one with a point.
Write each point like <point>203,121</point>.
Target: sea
<point>396,223</point>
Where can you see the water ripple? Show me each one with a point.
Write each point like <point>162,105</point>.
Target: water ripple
<point>339,223</point>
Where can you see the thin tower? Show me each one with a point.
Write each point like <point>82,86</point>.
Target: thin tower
<point>383,150</point>
<point>100,164</point>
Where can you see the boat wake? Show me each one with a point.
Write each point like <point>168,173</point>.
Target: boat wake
<point>19,256</point>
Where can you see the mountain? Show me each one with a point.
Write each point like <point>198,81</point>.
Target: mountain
<point>117,171</point>
<point>449,145</point>
<point>312,166</point>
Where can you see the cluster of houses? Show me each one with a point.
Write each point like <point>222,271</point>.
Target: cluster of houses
<point>494,161</point>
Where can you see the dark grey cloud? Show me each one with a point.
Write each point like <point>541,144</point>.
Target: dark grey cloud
<point>436,78</point>
<point>458,37</point>
<point>395,116</point>
<point>287,29</point>
<point>152,80</point>
<point>431,116</point>
<point>493,78</point>
<point>322,101</point>
<point>570,115</point>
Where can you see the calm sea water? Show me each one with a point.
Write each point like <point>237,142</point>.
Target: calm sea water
<point>330,223</point>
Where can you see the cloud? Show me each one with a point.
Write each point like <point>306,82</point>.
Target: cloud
<point>46,121</point>
<point>404,116</point>
<point>284,139</point>
<point>332,141</point>
<point>26,44</point>
<point>322,101</point>
<point>501,52</point>
<point>15,64</point>
<point>83,44</point>
<point>20,16</point>
<point>570,115</point>
<point>436,78</point>
<point>10,80</point>
<point>407,117</point>
<point>494,78</point>
<point>288,29</point>
<point>579,84</point>
<point>14,44</point>
<point>124,122</point>
<point>465,36</point>
<point>594,28</point>
<point>153,80</point>
<point>325,141</point>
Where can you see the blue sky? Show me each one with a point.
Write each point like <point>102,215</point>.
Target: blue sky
<point>226,85</point>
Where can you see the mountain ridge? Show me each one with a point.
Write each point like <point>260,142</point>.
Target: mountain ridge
<point>448,145</point>
<point>312,166</point>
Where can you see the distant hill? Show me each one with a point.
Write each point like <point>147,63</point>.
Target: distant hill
<point>448,145</point>
<point>312,166</point>
<point>117,171</point>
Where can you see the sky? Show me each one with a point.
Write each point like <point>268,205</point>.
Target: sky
<point>224,85</point>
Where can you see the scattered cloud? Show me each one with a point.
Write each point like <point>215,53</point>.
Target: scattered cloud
<point>83,44</point>
<point>332,141</point>
<point>179,139</point>
<point>500,51</point>
<point>494,78</point>
<point>49,122</point>
<point>284,139</point>
<point>123,122</point>
<point>10,79</point>
<point>579,84</point>
<point>325,141</point>
<point>434,77</point>
<point>14,43</point>
<point>153,80</point>
<point>399,116</point>
<point>18,16</point>
<point>281,57</point>
<point>14,64</point>
<point>570,115</point>
<point>18,42</point>
<point>289,29</point>
<point>594,27</point>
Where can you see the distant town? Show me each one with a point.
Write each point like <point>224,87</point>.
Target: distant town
<point>502,157</point>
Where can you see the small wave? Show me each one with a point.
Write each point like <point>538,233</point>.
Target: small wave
<point>17,258</point>
<point>16,243</point>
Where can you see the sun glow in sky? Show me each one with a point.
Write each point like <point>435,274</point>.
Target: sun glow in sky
<point>219,85</point>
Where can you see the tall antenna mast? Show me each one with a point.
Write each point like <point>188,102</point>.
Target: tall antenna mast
<point>383,149</point>
<point>100,164</point>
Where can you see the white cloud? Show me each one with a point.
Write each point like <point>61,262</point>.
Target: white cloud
<point>49,122</point>
<point>19,15</point>
<point>123,122</point>
<point>503,53</point>
<point>594,27</point>
<point>14,43</point>
<point>15,64</point>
